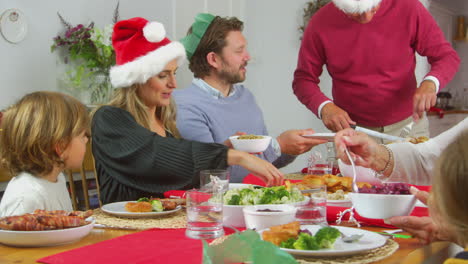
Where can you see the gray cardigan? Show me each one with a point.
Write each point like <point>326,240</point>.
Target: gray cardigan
<point>132,161</point>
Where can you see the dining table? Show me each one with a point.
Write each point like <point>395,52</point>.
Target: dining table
<point>410,250</point>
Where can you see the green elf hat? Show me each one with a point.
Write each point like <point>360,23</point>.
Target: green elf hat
<point>199,27</point>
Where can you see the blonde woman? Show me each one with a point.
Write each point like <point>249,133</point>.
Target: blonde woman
<point>42,134</point>
<point>136,144</point>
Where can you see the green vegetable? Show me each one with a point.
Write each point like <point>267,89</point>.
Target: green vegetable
<point>327,236</point>
<point>270,195</point>
<point>157,206</point>
<point>143,199</point>
<point>288,243</point>
<point>306,242</point>
<point>235,199</point>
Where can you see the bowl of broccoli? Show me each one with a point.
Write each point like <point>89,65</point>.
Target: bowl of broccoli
<point>236,199</point>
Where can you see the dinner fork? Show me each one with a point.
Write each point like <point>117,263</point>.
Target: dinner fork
<point>353,185</point>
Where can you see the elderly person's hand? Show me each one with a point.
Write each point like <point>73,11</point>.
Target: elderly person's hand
<point>361,147</point>
<point>335,118</point>
<point>424,228</point>
<point>293,143</point>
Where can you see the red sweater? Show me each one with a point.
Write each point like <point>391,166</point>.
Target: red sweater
<point>372,65</point>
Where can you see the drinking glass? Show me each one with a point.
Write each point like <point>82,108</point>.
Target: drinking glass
<point>315,211</point>
<point>204,214</point>
<point>214,179</point>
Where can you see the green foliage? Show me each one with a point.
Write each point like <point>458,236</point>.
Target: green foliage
<point>89,52</point>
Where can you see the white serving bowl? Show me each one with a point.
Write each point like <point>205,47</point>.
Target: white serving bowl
<point>233,215</point>
<point>362,174</point>
<point>251,145</point>
<point>382,206</point>
<point>259,220</point>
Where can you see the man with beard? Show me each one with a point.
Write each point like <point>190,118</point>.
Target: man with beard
<point>215,106</point>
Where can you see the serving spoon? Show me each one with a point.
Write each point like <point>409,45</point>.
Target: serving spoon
<point>351,238</point>
<point>354,186</point>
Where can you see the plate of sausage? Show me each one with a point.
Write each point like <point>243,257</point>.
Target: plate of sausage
<point>45,228</point>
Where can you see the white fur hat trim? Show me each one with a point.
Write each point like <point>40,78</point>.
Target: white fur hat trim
<point>143,68</point>
<point>154,31</point>
<point>356,6</point>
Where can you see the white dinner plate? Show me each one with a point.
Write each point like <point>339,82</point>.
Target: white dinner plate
<point>326,136</point>
<point>45,238</point>
<point>369,241</point>
<point>118,209</point>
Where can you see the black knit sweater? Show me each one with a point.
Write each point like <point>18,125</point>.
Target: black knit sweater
<point>133,162</point>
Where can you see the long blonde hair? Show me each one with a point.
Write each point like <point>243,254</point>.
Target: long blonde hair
<point>449,187</point>
<point>127,98</point>
<point>34,126</point>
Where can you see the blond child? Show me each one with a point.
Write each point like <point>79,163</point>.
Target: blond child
<point>448,202</point>
<point>42,134</point>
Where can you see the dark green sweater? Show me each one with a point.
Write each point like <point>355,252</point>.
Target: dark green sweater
<point>133,162</point>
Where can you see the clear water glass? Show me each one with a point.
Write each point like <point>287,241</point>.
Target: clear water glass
<point>314,212</point>
<point>204,214</point>
<point>214,179</point>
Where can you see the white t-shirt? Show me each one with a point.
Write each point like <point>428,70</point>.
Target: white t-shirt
<point>26,193</point>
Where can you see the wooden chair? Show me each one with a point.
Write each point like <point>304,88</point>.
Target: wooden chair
<point>87,166</point>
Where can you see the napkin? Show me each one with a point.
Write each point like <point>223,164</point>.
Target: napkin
<point>150,246</point>
<point>246,247</point>
<point>175,193</point>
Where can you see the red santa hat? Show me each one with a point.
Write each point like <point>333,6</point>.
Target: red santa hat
<point>356,6</point>
<point>142,50</point>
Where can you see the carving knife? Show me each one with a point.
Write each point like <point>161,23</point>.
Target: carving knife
<point>377,134</point>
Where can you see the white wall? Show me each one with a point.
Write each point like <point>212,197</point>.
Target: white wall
<point>271,27</point>
<point>30,66</point>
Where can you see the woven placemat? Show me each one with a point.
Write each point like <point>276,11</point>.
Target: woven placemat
<point>369,256</point>
<point>175,220</point>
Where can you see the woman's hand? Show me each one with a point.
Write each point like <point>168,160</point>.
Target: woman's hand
<point>424,228</point>
<point>257,166</point>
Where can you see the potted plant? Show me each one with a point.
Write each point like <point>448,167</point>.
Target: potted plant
<point>87,55</point>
